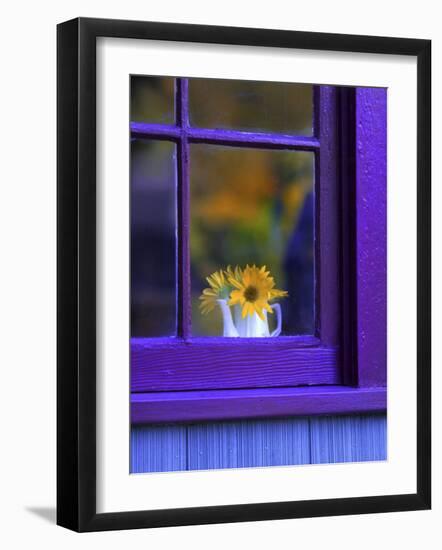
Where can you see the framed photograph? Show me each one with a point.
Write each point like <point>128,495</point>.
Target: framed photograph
<point>243,274</point>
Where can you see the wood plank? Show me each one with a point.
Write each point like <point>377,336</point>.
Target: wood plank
<point>212,446</point>
<point>348,438</point>
<point>212,363</point>
<point>258,443</point>
<point>248,443</point>
<point>254,403</point>
<point>158,448</point>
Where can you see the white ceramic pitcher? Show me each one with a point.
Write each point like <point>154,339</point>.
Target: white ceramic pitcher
<point>249,326</point>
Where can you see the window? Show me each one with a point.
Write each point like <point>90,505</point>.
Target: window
<point>185,150</point>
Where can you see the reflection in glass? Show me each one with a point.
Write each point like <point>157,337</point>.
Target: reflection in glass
<point>251,206</point>
<point>152,99</point>
<point>247,105</point>
<point>153,241</point>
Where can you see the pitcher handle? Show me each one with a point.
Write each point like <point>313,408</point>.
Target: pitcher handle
<point>278,328</point>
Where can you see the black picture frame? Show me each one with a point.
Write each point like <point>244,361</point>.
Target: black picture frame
<point>76,274</point>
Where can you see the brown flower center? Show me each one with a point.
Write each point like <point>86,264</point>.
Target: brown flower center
<point>251,293</point>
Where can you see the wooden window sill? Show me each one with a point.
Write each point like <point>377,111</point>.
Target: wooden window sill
<point>192,406</point>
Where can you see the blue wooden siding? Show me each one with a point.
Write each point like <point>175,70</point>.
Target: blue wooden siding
<point>248,443</point>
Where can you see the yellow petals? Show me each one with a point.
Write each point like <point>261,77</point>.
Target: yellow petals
<point>219,288</point>
<point>274,293</point>
<point>251,287</point>
<point>252,290</point>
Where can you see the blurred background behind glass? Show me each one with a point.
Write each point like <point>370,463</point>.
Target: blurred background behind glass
<point>152,99</point>
<point>253,206</point>
<point>153,238</point>
<point>280,107</point>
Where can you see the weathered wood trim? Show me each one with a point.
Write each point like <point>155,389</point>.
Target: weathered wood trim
<point>254,403</point>
<point>371,236</point>
<point>215,363</point>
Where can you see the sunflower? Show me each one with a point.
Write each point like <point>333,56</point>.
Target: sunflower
<point>219,288</point>
<point>253,288</point>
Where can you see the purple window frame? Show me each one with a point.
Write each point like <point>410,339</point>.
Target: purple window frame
<point>342,367</point>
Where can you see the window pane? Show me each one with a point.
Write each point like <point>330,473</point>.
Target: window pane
<point>152,99</point>
<point>251,206</point>
<point>153,241</point>
<point>246,105</point>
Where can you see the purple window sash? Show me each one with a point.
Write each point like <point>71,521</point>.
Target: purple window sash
<point>185,378</point>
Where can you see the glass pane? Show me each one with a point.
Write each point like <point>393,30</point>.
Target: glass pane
<point>260,106</point>
<point>255,207</point>
<point>153,240</point>
<point>152,99</point>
